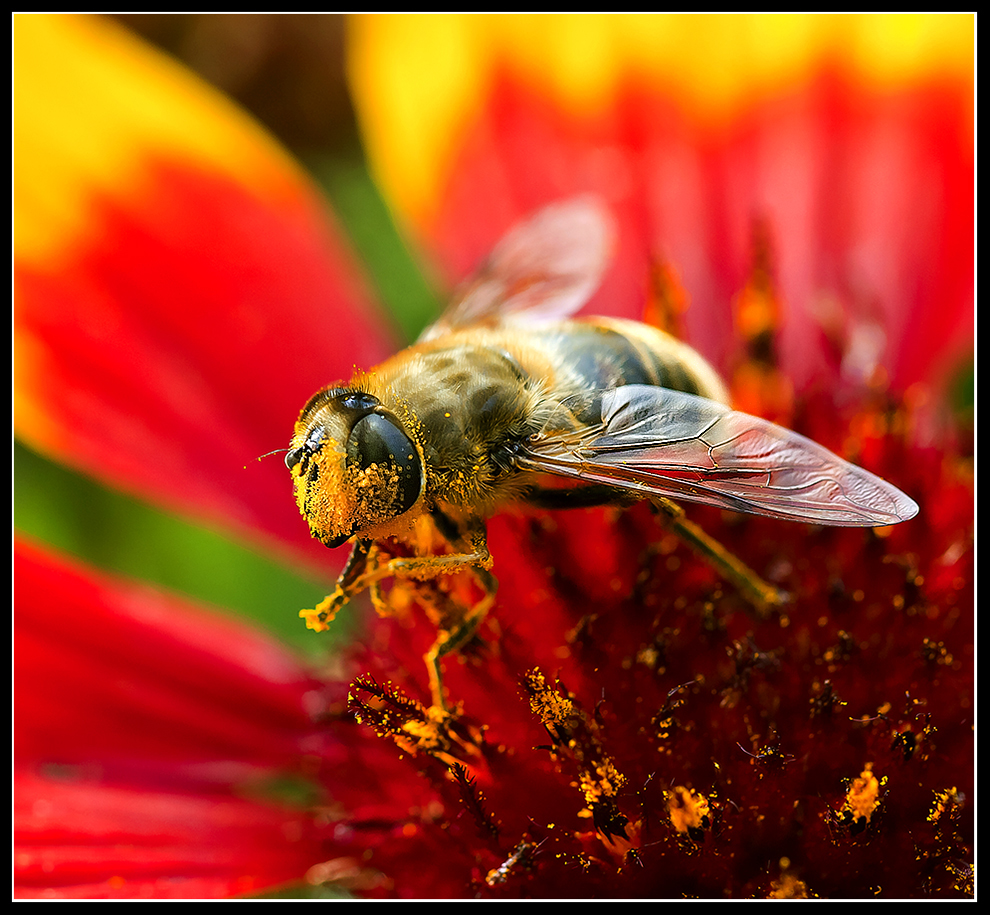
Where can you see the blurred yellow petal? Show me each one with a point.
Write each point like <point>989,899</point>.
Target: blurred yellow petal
<point>65,152</point>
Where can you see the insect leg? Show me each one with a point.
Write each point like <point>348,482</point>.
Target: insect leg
<point>468,539</point>
<point>366,568</point>
<point>456,637</point>
<point>349,583</point>
<point>762,595</point>
<point>456,623</point>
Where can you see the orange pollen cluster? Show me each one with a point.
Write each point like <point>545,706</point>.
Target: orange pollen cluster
<point>862,798</point>
<point>688,809</point>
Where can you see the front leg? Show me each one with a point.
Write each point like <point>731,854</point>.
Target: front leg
<point>367,566</point>
<point>348,585</point>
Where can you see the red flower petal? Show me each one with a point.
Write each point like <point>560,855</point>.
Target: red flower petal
<point>75,838</point>
<point>143,676</point>
<point>140,723</point>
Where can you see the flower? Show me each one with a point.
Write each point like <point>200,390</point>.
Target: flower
<point>627,726</point>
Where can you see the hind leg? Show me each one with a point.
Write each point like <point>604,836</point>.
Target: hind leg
<point>763,596</point>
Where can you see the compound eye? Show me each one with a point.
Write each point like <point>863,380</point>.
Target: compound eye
<point>376,439</point>
<point>294,457</point>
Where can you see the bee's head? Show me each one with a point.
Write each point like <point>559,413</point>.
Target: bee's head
<point>354,466</point>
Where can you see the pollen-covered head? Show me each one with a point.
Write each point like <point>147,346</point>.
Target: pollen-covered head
<point>354,467</point>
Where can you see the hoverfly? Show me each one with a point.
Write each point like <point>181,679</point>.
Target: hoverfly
<point>507,391</point>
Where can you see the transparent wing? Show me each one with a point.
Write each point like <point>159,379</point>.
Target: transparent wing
<point>655,441</point>
<point>544,269</point>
